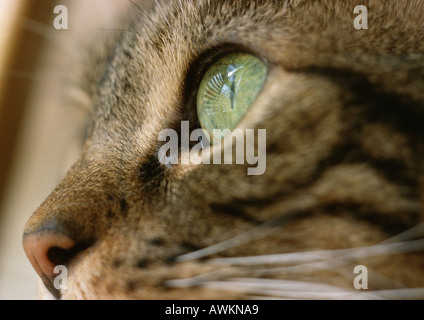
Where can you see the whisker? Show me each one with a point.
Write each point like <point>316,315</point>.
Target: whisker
<point>412,233</point>
<point>256,233</point>
<point>289,285</point>
<point>164,15</point>
<point>287,289</point>
<point>306,290</point>
<point>403,294</point>
<point>260,298</point>
<point>286,5</point>
<point>366,252</point>
<point>285,258</point>
<point>200,279</point>
<point>315,256</point>
<point>330,259</point>
<point>141,11</point>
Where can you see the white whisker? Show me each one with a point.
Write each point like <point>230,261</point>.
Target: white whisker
<point>190,282</point>
<point>316,256</point>
<point>289,285</point>
<point>410,234</point>
<point>305,290</point>
<point>143,12</point>
<point>401,294</point>
<point>356,254</point>
<point>285,258</point>
<point>258,232</point>
<point>164,14</point>
<point>267,298</point>
<point>288,289</point>
<point>286,5</point>
<point>244,238</point>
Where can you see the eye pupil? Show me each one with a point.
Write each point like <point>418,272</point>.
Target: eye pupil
<point>233,89</point>
<point>228,89</point>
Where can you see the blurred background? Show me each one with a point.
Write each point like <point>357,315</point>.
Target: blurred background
<point>38,132</point>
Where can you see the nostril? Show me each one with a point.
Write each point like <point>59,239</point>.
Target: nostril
<point>63,256</point>
<point>41,250</point>
<point>46,250</point>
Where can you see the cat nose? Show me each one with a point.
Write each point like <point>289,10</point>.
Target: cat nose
<point>48,248</point>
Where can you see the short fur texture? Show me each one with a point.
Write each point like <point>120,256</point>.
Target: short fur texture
<point>344,113</point>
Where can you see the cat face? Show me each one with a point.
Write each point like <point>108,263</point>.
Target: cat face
<point>343,113</point>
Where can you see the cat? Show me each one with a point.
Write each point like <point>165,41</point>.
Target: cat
<point>338,212</point>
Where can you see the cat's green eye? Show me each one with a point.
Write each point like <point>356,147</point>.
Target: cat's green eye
<point>228,89</point>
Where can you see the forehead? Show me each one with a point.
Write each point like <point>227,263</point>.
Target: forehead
<point>174,31</point>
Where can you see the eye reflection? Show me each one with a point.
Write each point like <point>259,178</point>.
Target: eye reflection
<point>228,89</point>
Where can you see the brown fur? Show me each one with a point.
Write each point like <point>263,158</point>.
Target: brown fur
<point>344,112</point>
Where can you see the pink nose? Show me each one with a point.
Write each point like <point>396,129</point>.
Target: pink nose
<point>45,251</point>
